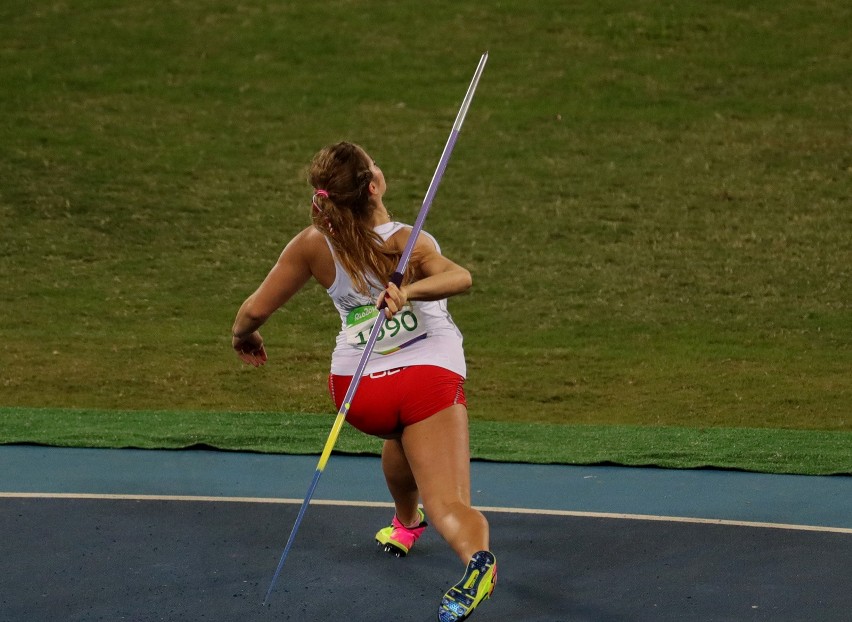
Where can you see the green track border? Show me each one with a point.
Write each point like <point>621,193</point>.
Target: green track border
<point>805,452</point>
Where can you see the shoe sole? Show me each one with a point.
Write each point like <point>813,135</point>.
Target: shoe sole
<point>391,549</point>
<point>484,598</point>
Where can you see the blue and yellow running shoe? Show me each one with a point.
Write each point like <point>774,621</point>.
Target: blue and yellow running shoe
<point>476,585</point>
<point>397,539</point>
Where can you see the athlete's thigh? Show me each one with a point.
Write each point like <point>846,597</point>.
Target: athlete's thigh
<point>438,452</point>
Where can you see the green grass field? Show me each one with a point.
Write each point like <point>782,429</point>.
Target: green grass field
<point>653,199</point>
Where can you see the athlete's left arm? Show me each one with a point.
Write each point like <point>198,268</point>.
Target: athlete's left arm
<point>288,275</point>
<point>436,278</point>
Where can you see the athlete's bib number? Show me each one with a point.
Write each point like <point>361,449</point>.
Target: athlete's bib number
<point>396,333</point>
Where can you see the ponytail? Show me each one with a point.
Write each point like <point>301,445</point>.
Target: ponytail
<point>341,210</point>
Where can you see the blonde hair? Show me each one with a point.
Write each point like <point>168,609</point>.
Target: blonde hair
<point>340,175</point>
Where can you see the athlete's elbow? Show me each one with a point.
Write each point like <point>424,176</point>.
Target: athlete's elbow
<point>255,312</point>
<point>465,280</point>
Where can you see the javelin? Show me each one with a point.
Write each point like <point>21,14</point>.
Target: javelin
<point>396,278</point>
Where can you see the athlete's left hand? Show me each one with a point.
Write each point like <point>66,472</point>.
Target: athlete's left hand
<point>250,349</point>
<point>393,299</point>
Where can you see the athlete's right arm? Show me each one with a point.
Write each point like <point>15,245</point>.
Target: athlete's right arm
<point>437,278</point>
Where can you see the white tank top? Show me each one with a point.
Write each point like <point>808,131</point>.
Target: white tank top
<point>423,333</point>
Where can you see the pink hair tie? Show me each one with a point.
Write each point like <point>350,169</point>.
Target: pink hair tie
<point>318,209</point>
<point>321,193</point>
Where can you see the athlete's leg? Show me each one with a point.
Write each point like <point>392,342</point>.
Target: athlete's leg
<point>400,481</point>
<point>438,453</point>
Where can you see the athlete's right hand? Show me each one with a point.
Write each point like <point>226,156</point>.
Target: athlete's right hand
<point>393,299</point>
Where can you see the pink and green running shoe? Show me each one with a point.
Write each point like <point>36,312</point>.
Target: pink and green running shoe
<point>476,585</point>
<point>397,539</point>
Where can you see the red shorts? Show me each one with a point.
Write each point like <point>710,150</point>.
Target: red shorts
<point>387,401</point>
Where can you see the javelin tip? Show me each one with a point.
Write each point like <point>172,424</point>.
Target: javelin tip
<point>469,96</point>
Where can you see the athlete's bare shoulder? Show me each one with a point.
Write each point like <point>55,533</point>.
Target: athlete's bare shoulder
<point>310,245</point>
<point>423,245</point>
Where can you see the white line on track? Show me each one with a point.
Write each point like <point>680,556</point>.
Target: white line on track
<point>381,504</point>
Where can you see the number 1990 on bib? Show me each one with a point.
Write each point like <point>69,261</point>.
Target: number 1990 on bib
<point>399,331</point>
